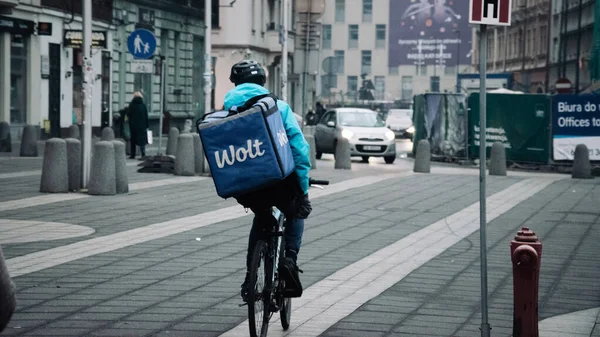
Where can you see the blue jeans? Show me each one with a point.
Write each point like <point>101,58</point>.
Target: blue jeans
<point>294,228</point>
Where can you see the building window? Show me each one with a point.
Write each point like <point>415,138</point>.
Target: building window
<point>393,70</point>
<point>339,60</point>
<point>367,10</point>
<point>535,42</point>
<point>380,36</point>
<point>544,39</point>
<point>352,36</point>
<point>422,70</point>
<point>407,87</point>
<point>379,87</point>
<point>352,86</point>
<point>326,36</point>
<point>365,62</point>
<point>450,70</point>
<point>435,83</point>
<point>176,56</point>
<point>340,10</point>
<point>18,80</point>
<point>328,82</point>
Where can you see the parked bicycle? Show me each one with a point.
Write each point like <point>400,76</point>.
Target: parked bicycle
<point>266,289</point>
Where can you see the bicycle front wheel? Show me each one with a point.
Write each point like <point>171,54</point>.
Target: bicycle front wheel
<point>259,292</point>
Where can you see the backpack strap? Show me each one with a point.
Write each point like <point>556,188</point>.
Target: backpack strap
<point>251,102</point>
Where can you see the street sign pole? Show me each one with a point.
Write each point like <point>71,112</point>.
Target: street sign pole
<point>207,56</point>
<point>485,326</point>
<point>484,13</point>
<point>284,49</point>
<point>87,90</point>
<point>163,94</point>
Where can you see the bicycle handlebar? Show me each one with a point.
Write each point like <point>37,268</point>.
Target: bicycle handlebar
<point>318,182</point>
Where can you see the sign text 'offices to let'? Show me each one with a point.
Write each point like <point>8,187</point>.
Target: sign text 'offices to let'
<point>576,120</point>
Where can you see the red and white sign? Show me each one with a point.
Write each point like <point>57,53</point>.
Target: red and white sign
<point>490,12</point>
<point>563,86</point>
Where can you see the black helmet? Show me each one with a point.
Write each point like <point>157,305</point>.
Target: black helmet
<point>248,71</point>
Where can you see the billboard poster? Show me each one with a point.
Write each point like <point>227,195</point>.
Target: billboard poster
<point>575,120</point>
<point>429,32</point>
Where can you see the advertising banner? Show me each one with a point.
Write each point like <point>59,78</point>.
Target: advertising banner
<point>576,120</point>
<point>429,32</point>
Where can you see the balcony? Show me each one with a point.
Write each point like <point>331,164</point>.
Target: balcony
<point>272,40</point>
<point>8,4</point>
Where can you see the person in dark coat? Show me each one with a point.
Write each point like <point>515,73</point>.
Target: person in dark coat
<point>320,111</point>
<point>8,302</point>
<point>138,124</point>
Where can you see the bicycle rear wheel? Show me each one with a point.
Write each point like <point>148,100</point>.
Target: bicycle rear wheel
<point>259,292</point>
<point>285,312</point>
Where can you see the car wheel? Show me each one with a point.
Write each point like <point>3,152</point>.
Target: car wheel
<point>319,155</point>
<point>390,159</point>
<point>334,148</point>
<point>365,159</point>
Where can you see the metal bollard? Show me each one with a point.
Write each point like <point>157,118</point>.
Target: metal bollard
<point>526,255</point>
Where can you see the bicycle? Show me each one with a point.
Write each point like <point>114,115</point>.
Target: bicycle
<point>263,303</point>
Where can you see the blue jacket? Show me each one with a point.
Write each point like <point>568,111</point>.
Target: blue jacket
<point>240,94</point>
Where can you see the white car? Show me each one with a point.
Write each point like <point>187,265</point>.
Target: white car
<point>400,121</point>
<point>364,130</point>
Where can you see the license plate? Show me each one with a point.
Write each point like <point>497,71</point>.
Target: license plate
<point>372,148</point>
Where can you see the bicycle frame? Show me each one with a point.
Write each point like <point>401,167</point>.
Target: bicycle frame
<point>279,232</point>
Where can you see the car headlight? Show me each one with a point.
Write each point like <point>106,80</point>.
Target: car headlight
<point>411,129</point>
<point>347,134</point>
<point>390,135</point>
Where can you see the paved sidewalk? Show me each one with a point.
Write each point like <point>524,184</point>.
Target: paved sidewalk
<point>385,253</point>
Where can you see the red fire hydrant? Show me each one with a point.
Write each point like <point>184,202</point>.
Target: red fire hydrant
<point>526,255</point>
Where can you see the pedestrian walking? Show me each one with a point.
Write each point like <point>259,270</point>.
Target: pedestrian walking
<point>138,124</point>
<point>8,302</point>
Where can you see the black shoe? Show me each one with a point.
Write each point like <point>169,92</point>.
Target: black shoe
<point>289,273</point>
<point>245,288</point>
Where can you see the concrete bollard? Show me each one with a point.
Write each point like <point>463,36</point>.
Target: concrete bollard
<point>74,163</point>
<point>198,154</point>
<point>102,174</point>
<point>310,139</point>
<point>498,160</point>
<point>120,167</point>
<point>423,157</point>
<point>582,169</point>
<point>74,132</point>
<point>5,140</point>
<point>342,155</point>
<point>29,147</point>
<point>172,142</point>
<point>7,294</point>
<point>185,163</point>
<point>108,134</point>
<point>309,130</point>
<point>55,169</point>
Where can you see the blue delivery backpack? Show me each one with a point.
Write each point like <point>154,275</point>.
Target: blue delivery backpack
<point>247,148</point>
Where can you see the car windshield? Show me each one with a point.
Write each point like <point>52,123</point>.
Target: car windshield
<point>361,119</point>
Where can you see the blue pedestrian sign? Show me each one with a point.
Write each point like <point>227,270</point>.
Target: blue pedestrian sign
<point>141,44</point>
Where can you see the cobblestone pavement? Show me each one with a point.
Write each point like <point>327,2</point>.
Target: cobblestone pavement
<point>385,253</point>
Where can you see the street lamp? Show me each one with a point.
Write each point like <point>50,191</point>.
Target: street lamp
<point>457,32</point>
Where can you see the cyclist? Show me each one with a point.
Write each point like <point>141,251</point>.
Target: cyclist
<point>289,195</point>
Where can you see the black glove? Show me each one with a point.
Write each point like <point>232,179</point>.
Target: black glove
<point>303,207</point>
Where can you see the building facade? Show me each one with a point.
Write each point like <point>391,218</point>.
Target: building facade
<point>405,48</point>
<point>178,26</point>
<point>259,39</point>
<point>572,39</point>
<point>41,62</point>
<point>548,40</point>
<point>40,65</point>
